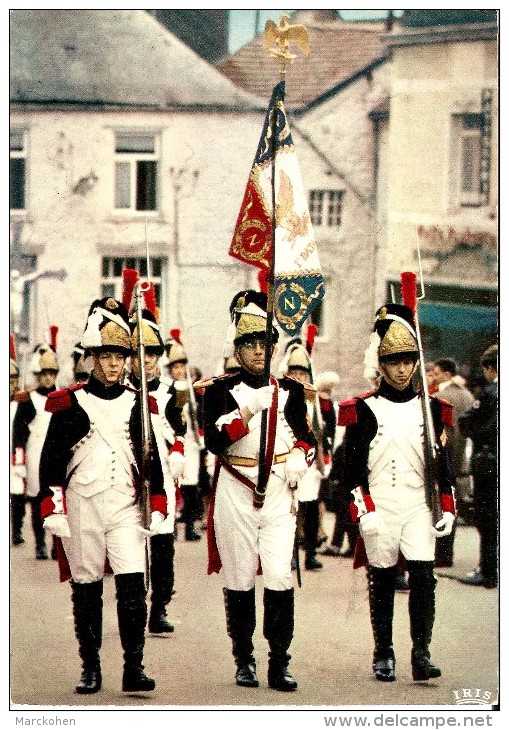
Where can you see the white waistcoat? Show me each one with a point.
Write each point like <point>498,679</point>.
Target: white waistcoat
<point>104,458</point>
<point>396,453</point>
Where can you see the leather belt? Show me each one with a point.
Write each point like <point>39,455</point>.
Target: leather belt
<point>247,461</point>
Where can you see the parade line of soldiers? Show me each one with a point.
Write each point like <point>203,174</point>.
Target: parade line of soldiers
<point>108,463</point>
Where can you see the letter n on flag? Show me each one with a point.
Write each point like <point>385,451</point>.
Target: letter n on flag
<point>298,280</point>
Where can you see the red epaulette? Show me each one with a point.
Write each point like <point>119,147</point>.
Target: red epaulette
<point>325,404</point>
<point>22,396</point>
<point>152,405</point>
<point>348,409</point>
<point>59,400</point>
<point>347,413</point>
<point>445,412</point>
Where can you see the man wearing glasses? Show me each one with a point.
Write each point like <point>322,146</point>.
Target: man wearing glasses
<point>252,512</point>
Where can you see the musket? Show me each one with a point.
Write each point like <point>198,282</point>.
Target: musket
<point>410,299</point>
<point>193,408</point>
<point>317,420</point>
<point>139,290</point>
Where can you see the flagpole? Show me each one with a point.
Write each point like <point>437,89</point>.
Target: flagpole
<point>270,281</point>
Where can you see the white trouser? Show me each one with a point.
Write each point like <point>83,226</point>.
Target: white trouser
<point>408,522</point>
<point>101,526</point>
<point>245,534</point>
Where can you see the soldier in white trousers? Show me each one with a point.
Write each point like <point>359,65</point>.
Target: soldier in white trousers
<point>91,463</point>
<point>384,471</point>
<point>29,428</point>
<point>251,524</point>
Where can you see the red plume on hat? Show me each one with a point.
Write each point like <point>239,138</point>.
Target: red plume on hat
<point>53,332</point>
<point>12,348</point>
<point>130,279</point>
<point>149,294</point>
<point>409,290</point>
<point>176,335</point>
<point>311,333</point>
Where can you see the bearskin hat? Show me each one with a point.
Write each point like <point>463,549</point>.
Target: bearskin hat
<point>107,327</point>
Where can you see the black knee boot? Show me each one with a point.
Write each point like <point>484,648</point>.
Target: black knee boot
<point>162,551</point>
<point>132,618</point>
<point>87,609</point>
<point>381,583</point>
<point>240,625</point>
<point>190,495</point>
<point>278,613</point>
<point>41,552</point>
<point>311,522</point>
<point>421,608</point>
<point>17,517</point>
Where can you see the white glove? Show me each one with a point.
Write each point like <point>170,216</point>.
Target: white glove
<point>260,399</point>
<point>444,526</point>
<point>296,467</point>
<point>156,521</point>
<point>19,470</point>
<point>371,524</point>
<point>159,525</point>
<point>57,525</point>
<point>176,462</point>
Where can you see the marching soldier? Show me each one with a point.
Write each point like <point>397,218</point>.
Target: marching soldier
<point>252,520</point>
<point>384,471</point>
<point>29,429</point>
<point>177,367</point>
<point>17,481</point>
<point>90,467</point>
<point>169,430</point>
<point>297,364</point>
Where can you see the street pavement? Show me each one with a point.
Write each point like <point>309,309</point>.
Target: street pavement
<point>194,668</point>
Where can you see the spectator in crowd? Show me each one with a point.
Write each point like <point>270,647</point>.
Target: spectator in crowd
<point>480,423</point>
<point>451,387</point>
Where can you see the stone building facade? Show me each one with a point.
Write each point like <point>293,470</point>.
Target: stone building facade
<point>115,149</point>
<point>442,176</point>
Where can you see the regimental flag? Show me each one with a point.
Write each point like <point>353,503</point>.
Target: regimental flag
<point>298,280</point>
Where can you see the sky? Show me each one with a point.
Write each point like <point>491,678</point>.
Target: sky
<point>242,22</point>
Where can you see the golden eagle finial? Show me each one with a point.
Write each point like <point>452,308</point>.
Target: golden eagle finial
<point>280,36</point>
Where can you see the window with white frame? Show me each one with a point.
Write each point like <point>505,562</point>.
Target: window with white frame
<point>135,172</point>
<point>325,207</point>
<point>113,266</point>
<point>470,159</point>
<point>17,170</point>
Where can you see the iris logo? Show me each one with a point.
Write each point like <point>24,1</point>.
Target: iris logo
<point>474,697</point>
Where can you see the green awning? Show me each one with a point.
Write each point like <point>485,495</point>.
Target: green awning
<point>458,317</point>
